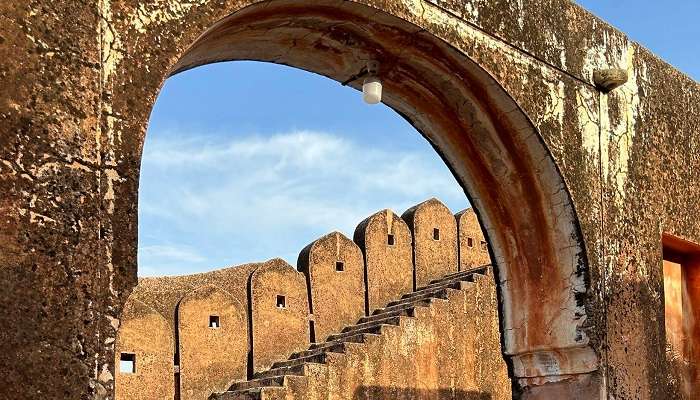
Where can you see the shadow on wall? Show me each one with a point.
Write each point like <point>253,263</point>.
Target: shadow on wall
<point>394,393</point>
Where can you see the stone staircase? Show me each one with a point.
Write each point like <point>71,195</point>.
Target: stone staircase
<point>271,384</point>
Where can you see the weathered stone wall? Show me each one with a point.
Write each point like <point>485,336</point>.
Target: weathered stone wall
<point>212,329</point>
<point>385,241</point>
<point>204,359</point>
<point>165,293</point>
<point>210,357</point>
<point>473,247</point>
<point>434,231</point>
<point>279,319</point>
<point>335,273</point>
<point>574,193</point>
<point>145,335</point>
<point>444,351</point>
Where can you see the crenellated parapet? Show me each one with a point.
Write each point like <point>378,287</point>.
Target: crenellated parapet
<point>212,345</point>
<point>385,241</point>
<point>473,247</point>
<point>279,313</point>
<point>434,231</point>
<point>335,275</point>
<point>144,349</point>
<point>232,324</point>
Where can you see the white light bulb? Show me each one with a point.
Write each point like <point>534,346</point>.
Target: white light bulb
<point>372,90</point>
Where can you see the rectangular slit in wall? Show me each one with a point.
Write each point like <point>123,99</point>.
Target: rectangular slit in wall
<point>390,240</point>
<point>281,301</point>
<point>470,242</point>
<point>436,234</point>
<point>339,266</point>
<point>127,363</point>
<point>214,322</point>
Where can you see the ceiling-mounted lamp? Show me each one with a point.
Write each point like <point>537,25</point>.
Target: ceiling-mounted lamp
<point>372,86</point>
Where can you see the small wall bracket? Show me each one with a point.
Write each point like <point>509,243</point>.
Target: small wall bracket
<point>607,80</point>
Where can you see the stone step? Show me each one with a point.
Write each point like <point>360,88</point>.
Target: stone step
<point>417,303</point>
<point>372,329</point>
<point>317,357</point>
<point>408,311</point>
<point>247,394</point>
<point>270,381</point>
<point>454,284</point>
<point>442,282</point>
<point>482,270</point>
<point>328,347</point>
<point>297,370</point>
<point>389,320</point>
<point>437,294</point>
<point>360,337</point>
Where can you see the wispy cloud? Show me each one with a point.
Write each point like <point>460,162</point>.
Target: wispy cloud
<point>167,257</point>
<point>247,198</point>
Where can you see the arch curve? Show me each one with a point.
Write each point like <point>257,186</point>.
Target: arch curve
<point>478,129</point>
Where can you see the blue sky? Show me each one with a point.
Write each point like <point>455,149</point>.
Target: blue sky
<point>247,161</point>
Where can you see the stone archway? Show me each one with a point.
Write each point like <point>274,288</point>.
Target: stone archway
<point>485,138</point>
<point>71,169</point>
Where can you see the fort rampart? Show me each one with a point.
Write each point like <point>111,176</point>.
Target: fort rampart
<point>196,335</point>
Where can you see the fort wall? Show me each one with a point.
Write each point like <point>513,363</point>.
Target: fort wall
<point>434,231</point>
<point>385,241</point>
<point>473,247</point>
<point>335,273</point>
<point>144,354</point>
<point>228,325</point>
<point>213,341</point>
<point>279,313</point>
<point>447,350</point>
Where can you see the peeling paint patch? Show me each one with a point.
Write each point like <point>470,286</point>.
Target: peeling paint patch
<point>620,129</point>
<point>162,12</point>
<point>112,176</point>
<point>555,104</point>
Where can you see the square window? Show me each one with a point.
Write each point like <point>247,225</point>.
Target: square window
<point>339,266</point>
<point>484,246</point>
<point>281,301</point>
<point>390,240</point>
<point>470,242</point>
<point>214,322</point>
<point>127,363</point>
<point>436,234</point>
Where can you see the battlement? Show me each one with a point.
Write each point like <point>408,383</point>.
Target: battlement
<point>198,334</point>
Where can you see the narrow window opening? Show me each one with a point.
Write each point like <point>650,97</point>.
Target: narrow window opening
<point>470,242</point>
<point>436,234</point>
<point>214,322</point>
<point>339,266</point>
<point>390,240</point>
<point>484,246</point>
<point>281,301</point>
<point>127,363</point>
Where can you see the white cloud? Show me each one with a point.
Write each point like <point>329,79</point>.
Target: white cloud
<point>247,198</point>
<point>165,259</point>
